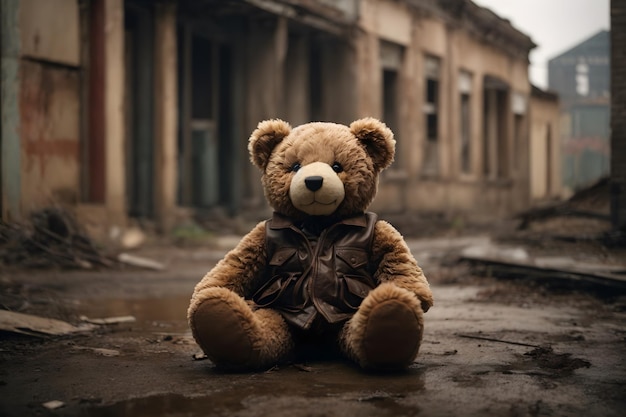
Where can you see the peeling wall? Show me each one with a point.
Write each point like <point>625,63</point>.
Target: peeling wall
<point>49,107</point>
<point>545,148</point>
<point>49,103</point>
<point>50,30</point>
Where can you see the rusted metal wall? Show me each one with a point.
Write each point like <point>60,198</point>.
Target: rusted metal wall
<point>49,102</point>
<point>49,108</point>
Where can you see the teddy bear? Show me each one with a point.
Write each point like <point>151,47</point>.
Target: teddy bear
<point>322,273</point>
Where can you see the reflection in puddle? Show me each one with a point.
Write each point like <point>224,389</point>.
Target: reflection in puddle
<point>330,389</point>
<point>321,389</point>
<point>150,314</point>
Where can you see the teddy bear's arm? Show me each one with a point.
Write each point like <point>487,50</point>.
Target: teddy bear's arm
<point>397,265</point>
<point>241,266</point>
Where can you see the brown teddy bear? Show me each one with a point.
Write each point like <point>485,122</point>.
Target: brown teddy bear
<point>322,272</point>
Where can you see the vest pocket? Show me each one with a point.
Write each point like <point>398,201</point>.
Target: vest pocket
<point>272,290</point>
<point>353,290</point>
<point>281,256</point>
<point>355,258</point>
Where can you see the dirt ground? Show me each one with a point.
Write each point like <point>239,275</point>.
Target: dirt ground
<point>492,347</point>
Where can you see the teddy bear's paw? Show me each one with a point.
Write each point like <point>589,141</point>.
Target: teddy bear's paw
<point>392,336</point>
<point>386,332</point>
<point>234,336</point>
<point>224,326</point>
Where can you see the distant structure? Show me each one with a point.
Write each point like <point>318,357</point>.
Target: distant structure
<point>581,77</point>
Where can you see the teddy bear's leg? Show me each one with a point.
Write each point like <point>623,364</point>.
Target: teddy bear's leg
<point>386,331</point>
<point>232,335</point>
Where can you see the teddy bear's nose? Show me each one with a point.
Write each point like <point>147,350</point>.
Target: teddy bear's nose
<point>314,182</point>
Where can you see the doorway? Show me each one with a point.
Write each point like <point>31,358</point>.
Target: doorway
<point>139,110</point>
<point>206,153</point>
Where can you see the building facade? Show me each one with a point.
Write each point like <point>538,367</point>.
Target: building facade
<point>128,109</point>
<point>581,77</point>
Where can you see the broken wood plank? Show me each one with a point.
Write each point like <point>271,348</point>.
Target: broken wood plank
<point>140,261</point>
<point>30,325</point>
<point>53,405</point>
<point>109,320</point>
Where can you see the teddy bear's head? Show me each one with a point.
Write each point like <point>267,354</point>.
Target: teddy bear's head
<point>321,169</point>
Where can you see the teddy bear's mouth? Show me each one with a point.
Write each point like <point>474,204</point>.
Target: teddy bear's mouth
<point>321,202</point>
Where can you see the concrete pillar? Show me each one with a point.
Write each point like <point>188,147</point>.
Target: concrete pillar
<point>296,91</point>
<point>492,133</point>
<point>368,85</point>
<point>115,193</point>
<point>166,111</point>
<point>267,50</point>
<point>10,178</point>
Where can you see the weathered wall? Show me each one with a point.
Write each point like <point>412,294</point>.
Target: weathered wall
<point>545,148</point>
<point>389,19</point>
<point>49,103</point>
<point>428,35</point>
<point>50,30</point>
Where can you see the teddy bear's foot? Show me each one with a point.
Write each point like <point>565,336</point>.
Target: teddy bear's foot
<point>235,337</point>
<point>385,333</point>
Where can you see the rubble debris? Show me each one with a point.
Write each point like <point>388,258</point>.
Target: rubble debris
<point>199,356</point>
<point>494,251</point>
<point>303,367</point>
<point>140,261</point>
<point>559,363</point>
<point>30,325</point>
<point>132,238</point>
<point>109,320</point>
<point>607,276</point>
<point>53,405</point>
<point>99,351</point>
<point>52,238</point>
<point>591,203</point>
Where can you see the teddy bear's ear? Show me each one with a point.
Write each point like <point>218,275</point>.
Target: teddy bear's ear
<point>264,139</point>
<point>377,139</point>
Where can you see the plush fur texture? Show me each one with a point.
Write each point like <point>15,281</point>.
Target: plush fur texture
<point>325,170</point>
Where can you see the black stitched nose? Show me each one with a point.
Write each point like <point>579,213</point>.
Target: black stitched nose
<point>314,182</point>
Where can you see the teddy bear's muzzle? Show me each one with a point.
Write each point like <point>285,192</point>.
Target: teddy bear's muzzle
<point>316,189</point>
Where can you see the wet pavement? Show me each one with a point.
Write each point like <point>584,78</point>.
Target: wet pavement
<point>491,348</point>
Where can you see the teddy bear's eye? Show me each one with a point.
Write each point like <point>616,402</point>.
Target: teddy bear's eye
<point>295,167</point>
<point>337,167</point>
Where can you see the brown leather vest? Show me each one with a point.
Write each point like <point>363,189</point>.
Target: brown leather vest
<point>308,275</point>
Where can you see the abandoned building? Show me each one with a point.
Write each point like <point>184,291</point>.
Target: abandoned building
<point>123,109</point>
<point>581,77</point>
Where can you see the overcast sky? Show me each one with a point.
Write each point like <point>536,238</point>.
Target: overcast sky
<point>554,25</point>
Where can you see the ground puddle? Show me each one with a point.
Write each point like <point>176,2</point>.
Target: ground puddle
<point>151,314</point>
<point>328,389</point>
